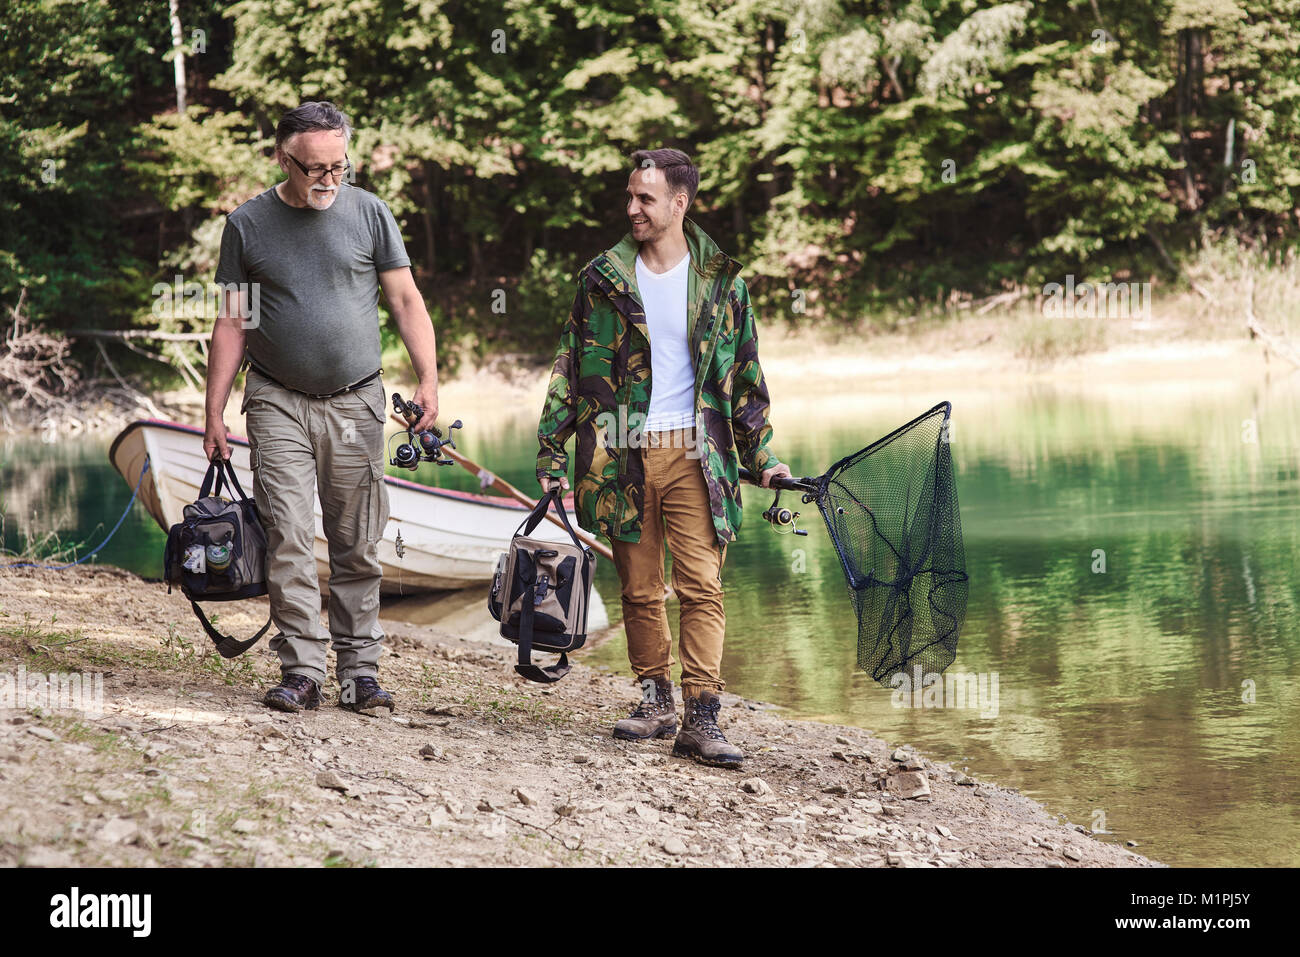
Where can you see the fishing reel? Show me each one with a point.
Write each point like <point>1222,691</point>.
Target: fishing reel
<point>782,519</point>
<point>424,446</point>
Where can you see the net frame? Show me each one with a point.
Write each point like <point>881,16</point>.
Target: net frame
<point>913,616</point>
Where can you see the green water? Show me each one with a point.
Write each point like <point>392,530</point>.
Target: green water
<point>1120,691</point>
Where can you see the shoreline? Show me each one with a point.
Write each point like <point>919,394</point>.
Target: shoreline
<point>804,367</point>
<point>185,766</point>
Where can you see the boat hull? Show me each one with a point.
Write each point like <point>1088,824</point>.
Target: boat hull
<point>449,539</point>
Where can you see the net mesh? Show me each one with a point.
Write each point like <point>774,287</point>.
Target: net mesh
<point>891,510</point>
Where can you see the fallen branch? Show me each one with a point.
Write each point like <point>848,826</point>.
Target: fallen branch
<point>1173,266</point>
<point>1257,331</point>
<point>140,334</point>
<point>139,397</point>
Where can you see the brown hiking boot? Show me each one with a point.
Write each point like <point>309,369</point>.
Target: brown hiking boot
<point>701,738</point>
<point>294,693</point>
<point>654,717</point>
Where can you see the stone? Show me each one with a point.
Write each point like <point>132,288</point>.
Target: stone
<point>117,830</point>
<point>963,780</point>
<point>674,846</point>
<point>910,784</point>
<point>439,817</point>
<point>943,830</point>
<point>1072,853</point>
<point>111,794</point>
<point>899,755</point>
<point>43,733</point>
<point>647,814</point>
<point>755,786</point>
<point>1130,843</point>
<point>840,739</point>
<point>244,826</point>
<point>330,780</point>
<point>47,857</point>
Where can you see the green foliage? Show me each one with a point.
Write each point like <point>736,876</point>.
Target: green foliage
<point>863,152</point>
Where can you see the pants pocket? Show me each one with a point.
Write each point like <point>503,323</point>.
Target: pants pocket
<point>265,511</point>
<point>376,507</point>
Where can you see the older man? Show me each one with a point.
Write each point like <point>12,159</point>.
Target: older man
<point>318,251</point>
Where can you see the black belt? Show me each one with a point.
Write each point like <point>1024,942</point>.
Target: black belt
<point>314,395</point>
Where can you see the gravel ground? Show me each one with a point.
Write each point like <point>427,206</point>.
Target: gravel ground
<point>184,765</point>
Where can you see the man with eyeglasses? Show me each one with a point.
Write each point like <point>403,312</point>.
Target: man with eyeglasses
<point>318,251</point>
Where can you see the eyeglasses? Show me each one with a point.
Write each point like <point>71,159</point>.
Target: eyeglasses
<point>320,172</point>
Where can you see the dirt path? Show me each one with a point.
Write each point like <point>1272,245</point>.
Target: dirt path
<point>185,767</point>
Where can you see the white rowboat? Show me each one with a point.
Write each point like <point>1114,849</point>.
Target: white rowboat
<point>450,539</point>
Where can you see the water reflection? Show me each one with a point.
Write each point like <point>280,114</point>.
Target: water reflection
<point>1134,585</point>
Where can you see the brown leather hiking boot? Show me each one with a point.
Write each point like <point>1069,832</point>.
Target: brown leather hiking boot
<point>294,693</point>
<point>654,717</point>
<point>363,694</point>
<point>702,739</point>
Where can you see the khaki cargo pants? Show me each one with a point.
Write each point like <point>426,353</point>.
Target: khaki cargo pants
<point>301,446</point>
<point>676,512</point>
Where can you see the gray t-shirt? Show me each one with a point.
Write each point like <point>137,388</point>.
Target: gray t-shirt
<point>316,325</point>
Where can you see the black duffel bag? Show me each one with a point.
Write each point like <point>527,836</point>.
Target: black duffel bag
<point>218,553</point>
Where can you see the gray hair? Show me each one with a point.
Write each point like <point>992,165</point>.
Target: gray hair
<point>312,115</point>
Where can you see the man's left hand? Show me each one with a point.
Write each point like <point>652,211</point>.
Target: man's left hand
<point>776,471</point>
<point>426,397</point>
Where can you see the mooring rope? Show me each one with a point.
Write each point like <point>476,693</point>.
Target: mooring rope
<point>144,471</point>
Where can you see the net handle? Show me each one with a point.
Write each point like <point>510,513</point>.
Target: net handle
<point>804,484</point>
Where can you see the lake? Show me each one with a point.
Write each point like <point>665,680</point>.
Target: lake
<point>1134,587</point>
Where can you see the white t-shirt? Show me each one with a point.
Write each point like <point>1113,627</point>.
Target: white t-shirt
<point>672,376</point>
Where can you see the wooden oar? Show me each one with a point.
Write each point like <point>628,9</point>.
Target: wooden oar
<point>491,480</point>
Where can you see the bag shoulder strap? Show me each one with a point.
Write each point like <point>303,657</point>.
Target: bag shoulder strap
<point>227,645</point>
<point>525,667</point>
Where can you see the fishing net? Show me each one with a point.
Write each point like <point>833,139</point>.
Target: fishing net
<point>891,510</point>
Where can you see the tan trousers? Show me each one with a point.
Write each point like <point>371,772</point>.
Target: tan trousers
<point>301,446</point>
<point>676,511</point>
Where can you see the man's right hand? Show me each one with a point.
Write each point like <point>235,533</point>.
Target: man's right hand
<point>214,439</point>
<point>549,483</point>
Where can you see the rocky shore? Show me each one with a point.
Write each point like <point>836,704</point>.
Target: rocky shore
<point>179,763</point>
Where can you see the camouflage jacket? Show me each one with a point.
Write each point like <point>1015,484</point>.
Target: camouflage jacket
<point>603,363</point>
